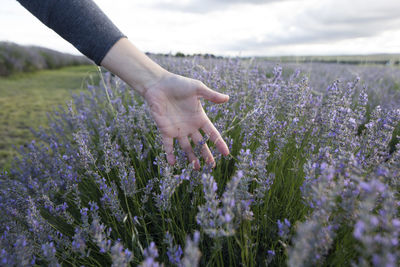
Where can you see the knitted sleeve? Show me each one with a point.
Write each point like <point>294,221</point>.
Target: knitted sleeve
<point>80,22</point>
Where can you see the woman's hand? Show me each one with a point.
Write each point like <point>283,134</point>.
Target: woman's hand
<point>173,100</point>
<point>175,105</point>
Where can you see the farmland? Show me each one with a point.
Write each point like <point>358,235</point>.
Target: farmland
<point>312,178</point>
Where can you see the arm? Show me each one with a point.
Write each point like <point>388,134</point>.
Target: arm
<point>80,22</point>
<point>173,99</point>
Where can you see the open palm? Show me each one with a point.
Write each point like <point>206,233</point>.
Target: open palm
<point>175,106</point>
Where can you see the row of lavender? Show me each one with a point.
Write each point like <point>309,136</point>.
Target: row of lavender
<point>16,58</point>
<point>312,179</point>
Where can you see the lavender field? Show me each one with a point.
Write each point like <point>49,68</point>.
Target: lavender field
<point>313,178</point>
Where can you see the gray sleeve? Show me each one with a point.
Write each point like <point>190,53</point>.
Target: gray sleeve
<point>80,22</point>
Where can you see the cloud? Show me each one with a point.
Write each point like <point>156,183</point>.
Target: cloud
<point>232,27</point>
<point>342,11</point>
<point>327,22</point>
<point>205,6</point>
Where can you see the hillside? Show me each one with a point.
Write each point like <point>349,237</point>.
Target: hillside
<point>16,58</point>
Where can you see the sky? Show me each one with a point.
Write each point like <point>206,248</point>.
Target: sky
<point>232,27</point>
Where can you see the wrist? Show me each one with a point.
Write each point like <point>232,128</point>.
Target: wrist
<point>149,80</point>
<point>133,66</point>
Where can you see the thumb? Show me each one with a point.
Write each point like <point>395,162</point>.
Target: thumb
<point>212,95</point>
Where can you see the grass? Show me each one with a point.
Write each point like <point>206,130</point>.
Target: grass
<point>26,98</point>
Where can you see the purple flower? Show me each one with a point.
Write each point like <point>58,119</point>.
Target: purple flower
<point>283,228</point>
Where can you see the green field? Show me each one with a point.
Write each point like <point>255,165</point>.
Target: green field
<point>26,98</point>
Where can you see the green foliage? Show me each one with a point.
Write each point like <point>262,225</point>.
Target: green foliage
<point>179,54</point>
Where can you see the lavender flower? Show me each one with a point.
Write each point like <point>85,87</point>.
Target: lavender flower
<point>49,252</point>
<point>168,185</point>
<point>192,253</point>
<point>174,252</point>
<point>150,254</point>
<point>283,228</point>
<point>120,256</point>
<point>270,256</point>
<point>110,197</point>
<point>79,241</point>
<point>222,217</point>
<point>378,234</point>
<point>100,235</point>
<point>209,213</point>
<point>128,181</point>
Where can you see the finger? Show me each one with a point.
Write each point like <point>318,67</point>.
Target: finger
<point>187,147</point>
<point>168,144</point>
<point>216,138</point>
<point>212,95</point>
<point>205,151</point>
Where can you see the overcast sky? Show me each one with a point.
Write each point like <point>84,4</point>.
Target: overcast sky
<point>233,27</point>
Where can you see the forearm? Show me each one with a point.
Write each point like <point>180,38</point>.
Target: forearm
<point>133,66</point>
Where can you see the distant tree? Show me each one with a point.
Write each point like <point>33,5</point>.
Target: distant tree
<point>179,54</point>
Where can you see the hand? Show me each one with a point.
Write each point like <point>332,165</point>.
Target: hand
<point>173,100</point>
<point>175,105</point>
